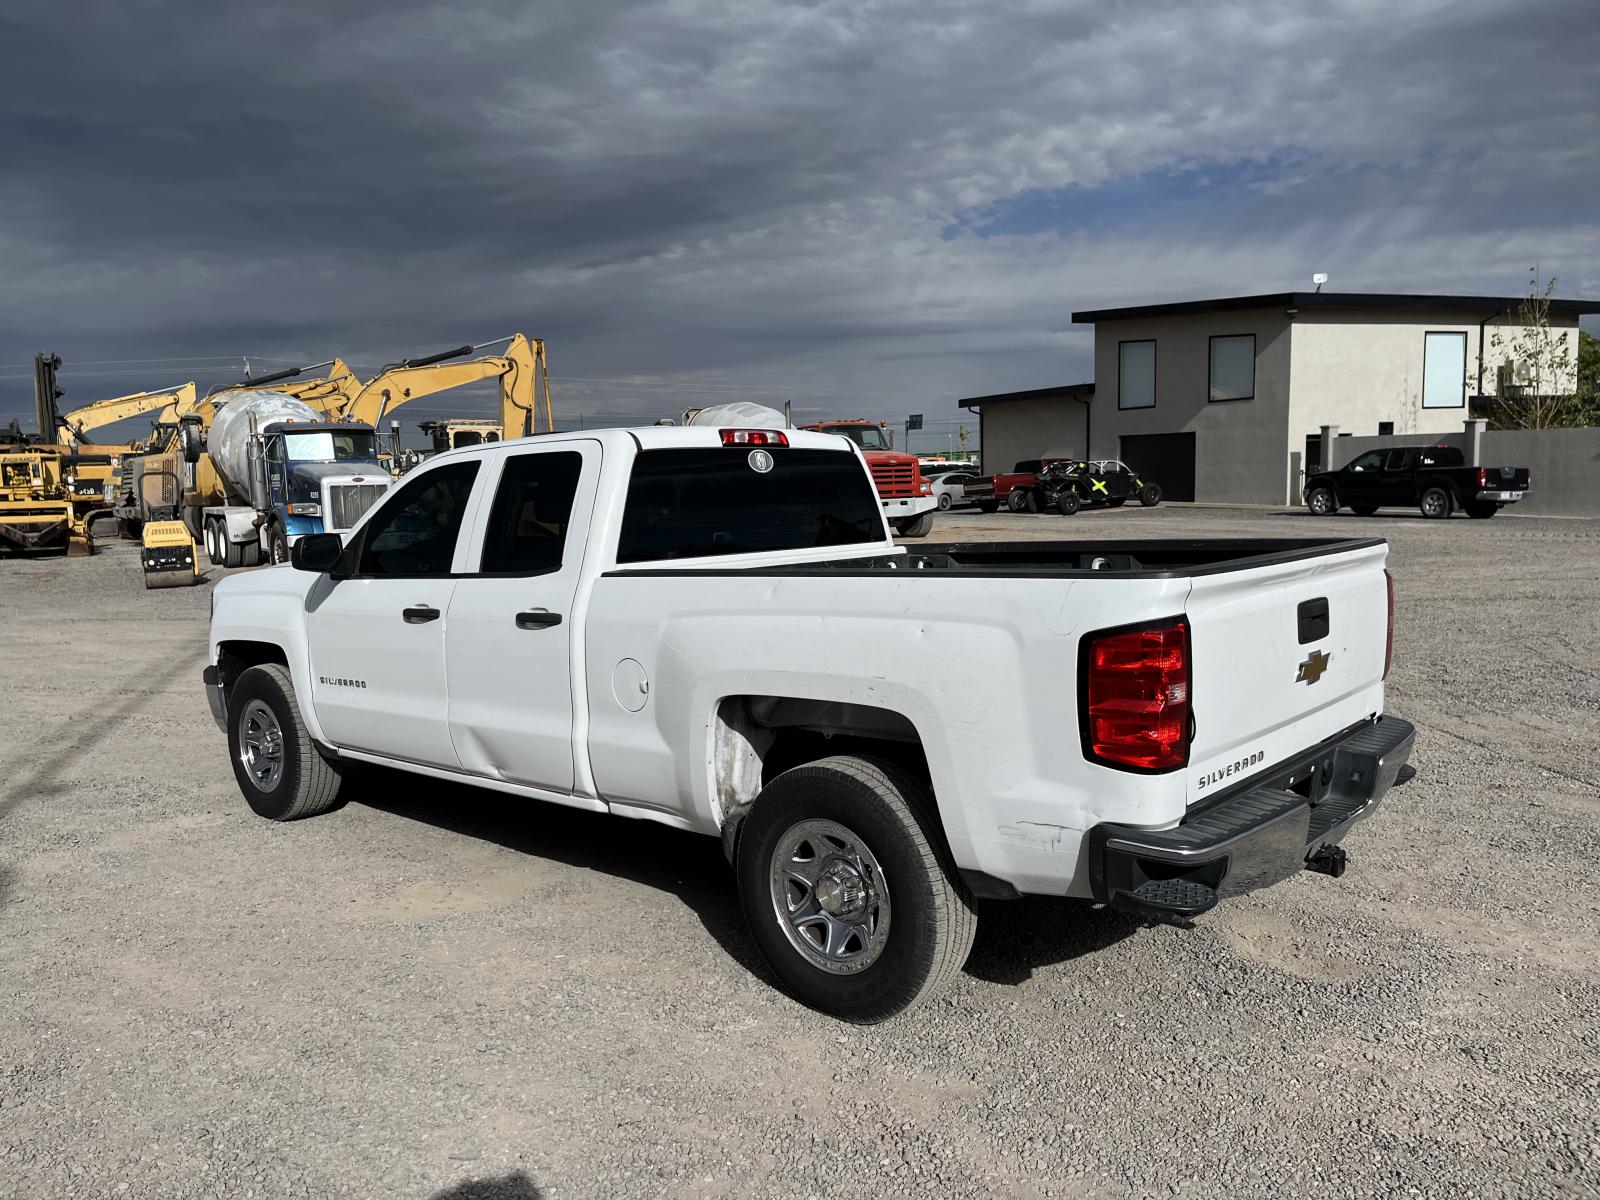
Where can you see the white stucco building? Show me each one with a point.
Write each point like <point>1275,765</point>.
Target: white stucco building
<point>1224,400</point>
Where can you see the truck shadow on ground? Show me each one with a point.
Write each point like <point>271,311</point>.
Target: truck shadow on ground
<point>1015,937</point>
<point>515,1186</point>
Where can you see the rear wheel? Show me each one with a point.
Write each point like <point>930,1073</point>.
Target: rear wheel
<point>988,506</point>
<point>1482,511</point>
<point>1150,495</point>
<point>232,552</point>
<point>849,891</point>
<point>1435,502</point>
<point>1067,502</point>
<point>213,553</point>
<point>279,769</point>
<point>1022,500</point>
<point>1363,510</point>
<point>1322,502</point>
<point>916,527</point>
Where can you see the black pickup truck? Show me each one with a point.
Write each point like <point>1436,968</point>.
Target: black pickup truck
<point>1435,479</point>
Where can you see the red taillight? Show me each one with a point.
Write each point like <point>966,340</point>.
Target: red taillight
<point>1388,642</point>
<point>1134,689</point>
<point>1483,478</point>
<point>754,437</point>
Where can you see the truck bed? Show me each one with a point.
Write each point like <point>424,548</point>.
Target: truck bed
<point>1127,559</point>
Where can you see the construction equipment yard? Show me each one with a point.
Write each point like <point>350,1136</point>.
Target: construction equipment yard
<point>444,992</point>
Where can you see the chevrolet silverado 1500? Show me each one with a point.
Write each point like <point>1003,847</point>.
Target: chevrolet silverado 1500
<point>713,629</point>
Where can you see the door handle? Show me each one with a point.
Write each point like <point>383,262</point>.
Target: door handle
<point>420,615</point>
<point>537,619</point>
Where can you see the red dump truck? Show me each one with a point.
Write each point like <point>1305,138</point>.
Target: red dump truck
<point>907,498</point>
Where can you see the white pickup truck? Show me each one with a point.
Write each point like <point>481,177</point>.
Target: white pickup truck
<point>714,630</point>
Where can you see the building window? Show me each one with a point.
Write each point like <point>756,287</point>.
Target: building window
<point>1136,374</point>
<point>1233,368</point>
<point>1385,428</point>
<point>1444,370</point>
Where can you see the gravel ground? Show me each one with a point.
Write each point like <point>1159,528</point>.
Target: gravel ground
<point>437,992</point>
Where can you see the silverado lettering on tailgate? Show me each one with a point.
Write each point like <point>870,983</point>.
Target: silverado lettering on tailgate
<point>1211,778</point>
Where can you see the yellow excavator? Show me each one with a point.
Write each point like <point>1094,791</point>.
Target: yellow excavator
<point>521,370</point>
<point>94,469</point>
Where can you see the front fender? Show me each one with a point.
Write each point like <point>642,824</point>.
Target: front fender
<point>268,607</point>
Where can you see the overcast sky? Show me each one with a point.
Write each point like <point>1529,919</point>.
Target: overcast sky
<point>866,208</point>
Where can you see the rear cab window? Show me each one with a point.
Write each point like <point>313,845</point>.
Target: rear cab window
<point>704,501</point>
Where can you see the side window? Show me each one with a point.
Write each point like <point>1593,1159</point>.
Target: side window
<point>1398,460</point>
<point>1372,460</point>
<point>527,528</point>
<point>415,532</point>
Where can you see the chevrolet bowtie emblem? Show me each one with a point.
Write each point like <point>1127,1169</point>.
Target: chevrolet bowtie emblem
<point>1311,670</point>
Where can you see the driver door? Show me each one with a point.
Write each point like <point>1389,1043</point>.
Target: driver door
<point>377,638</point>
<point>1361,481</point>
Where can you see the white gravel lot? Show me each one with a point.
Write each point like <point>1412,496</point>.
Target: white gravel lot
<point>437,992</point>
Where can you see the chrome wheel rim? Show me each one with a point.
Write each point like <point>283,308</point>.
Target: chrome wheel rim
<point>1319,502</point>
<point>1433,503</point>
<point>261,745</point>
<point>829,896</point>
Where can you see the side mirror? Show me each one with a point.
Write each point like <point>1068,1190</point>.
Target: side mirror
<point>319,552</point>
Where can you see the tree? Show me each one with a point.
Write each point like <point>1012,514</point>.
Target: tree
<point>1589,375</point>
<point>964,436</point>
<point>1536,376</point>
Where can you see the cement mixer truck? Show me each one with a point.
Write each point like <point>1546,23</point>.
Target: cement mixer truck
<point>253,470</point>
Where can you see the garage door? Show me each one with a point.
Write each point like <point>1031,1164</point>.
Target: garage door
<point>1164,458</point>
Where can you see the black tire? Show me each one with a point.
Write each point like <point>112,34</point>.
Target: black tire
<point>1482,511</point>
<point>988,506</point>
<point>1321,502</point>
<point>1363,510</point>
<point>213,555</point>
<point>1150,495</point>
<point>1434,503</point>
<point>306,783</point>
<point>1116,501</point>
<point>917,527</point>
<point>931,916</point>
<point>277,545</point>
<point>945,501</point>
<point>250,554</point>
<point>1067,502</point>
<point>1022,500</point>
<point>232,552</point>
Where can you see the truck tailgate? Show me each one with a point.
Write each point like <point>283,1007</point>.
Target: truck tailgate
<point>1284,656</point>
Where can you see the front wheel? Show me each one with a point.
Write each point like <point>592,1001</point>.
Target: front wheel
<point>278,767</point>
<point>1116,502</point>
<point>1150,495</point>
<point>916,527</point>
<point>1321,502</point>
<point>1067,502</point>
<point>277,545</point>
<point>988,506</point>
<point>1435,502</point>
<point>849,891</point>
<point>945,501</point>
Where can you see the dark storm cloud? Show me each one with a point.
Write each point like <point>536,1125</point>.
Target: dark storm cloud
<point>799,197</point>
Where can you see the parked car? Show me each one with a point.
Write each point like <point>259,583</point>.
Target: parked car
<point>713,629</point>
<point>950,488</point>
<point>1068,485</point>
<point>1434,479</point>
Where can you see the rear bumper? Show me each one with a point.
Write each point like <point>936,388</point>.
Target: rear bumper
<point>1255,834</point>
<point>1502,496</point>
